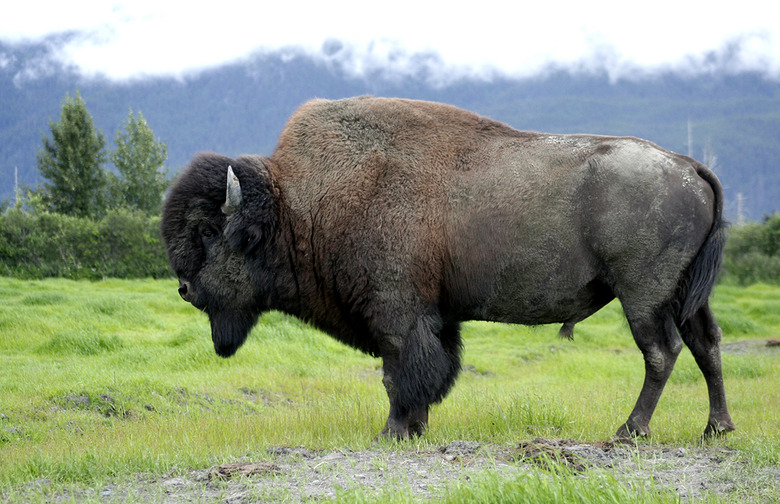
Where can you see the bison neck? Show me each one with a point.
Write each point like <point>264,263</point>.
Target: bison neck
<point>306,287</point>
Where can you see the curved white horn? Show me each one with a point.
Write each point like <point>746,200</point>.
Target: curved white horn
<point>233,193</point>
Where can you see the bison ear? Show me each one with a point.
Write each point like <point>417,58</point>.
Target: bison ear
<point>244,238</point>
<point>232,194</point>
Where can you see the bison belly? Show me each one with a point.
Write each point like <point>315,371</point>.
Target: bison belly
<point>540,279</point>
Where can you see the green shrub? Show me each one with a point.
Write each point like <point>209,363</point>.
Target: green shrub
<point>134,240</point>
<point>753,252</point>
<point>122,244</point>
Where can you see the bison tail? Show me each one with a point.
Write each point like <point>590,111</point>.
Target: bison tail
<point>700,277</point>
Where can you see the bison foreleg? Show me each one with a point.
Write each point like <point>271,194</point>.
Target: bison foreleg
<point>419,370</point>
<point>660,344</point>
<point>405,425</point>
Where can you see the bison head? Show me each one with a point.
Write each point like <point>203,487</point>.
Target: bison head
<point>218,222</point>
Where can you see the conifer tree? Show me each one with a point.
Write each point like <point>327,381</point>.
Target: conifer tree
<point>139,159</point>
<point>72,161</point>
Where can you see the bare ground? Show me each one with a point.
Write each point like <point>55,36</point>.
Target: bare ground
<point>299,474</point>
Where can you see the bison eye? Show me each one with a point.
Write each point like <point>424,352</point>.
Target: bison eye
<point>207,233</point>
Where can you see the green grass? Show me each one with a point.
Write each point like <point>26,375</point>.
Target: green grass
<point>103,380</point>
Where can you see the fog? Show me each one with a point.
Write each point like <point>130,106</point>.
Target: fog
<point>139,39</point>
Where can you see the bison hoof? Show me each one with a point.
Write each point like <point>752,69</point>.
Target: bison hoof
<point>390,436</point>
<point>716,428</point>
<point>397,431</point>
<point>630,430</point>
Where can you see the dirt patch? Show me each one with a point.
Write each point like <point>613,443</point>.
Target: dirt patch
<point>299,474</point>
<point>692,473</point>
<point>771,345</point>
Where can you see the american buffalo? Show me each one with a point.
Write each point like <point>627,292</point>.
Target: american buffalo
<point>387,222</point>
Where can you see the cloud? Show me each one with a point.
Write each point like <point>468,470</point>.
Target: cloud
<point>127,40</point>
<point>6,60</point>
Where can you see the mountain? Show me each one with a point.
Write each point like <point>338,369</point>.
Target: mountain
<point>242,107</point>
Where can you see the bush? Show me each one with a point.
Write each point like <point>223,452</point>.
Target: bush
<point>122,244</point>
<point>753,252</point>
<point>132,246</point>
<point>752,267</point>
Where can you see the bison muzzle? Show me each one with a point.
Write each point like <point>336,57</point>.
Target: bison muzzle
<point>388,222</point>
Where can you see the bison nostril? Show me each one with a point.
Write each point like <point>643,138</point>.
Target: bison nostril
<point>184,289</point>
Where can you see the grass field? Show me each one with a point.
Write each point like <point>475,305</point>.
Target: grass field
<point>104,380</point>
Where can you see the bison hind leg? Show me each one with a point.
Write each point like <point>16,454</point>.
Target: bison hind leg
<point>702,336</point>
<point>419,371</point>
<point>656,336</point>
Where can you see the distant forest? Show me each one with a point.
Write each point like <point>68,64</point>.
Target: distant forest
<point>241,108</point>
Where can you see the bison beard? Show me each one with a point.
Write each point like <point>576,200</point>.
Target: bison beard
<point>229,330</point>
<point>387,222</point>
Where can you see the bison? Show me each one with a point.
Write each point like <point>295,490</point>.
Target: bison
<point>387,222</point>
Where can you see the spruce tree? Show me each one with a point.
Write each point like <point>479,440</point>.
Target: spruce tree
<point>139,159</point>
<point>72,161</point>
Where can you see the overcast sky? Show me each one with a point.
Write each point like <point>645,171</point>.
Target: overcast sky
<point>137,38</point>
